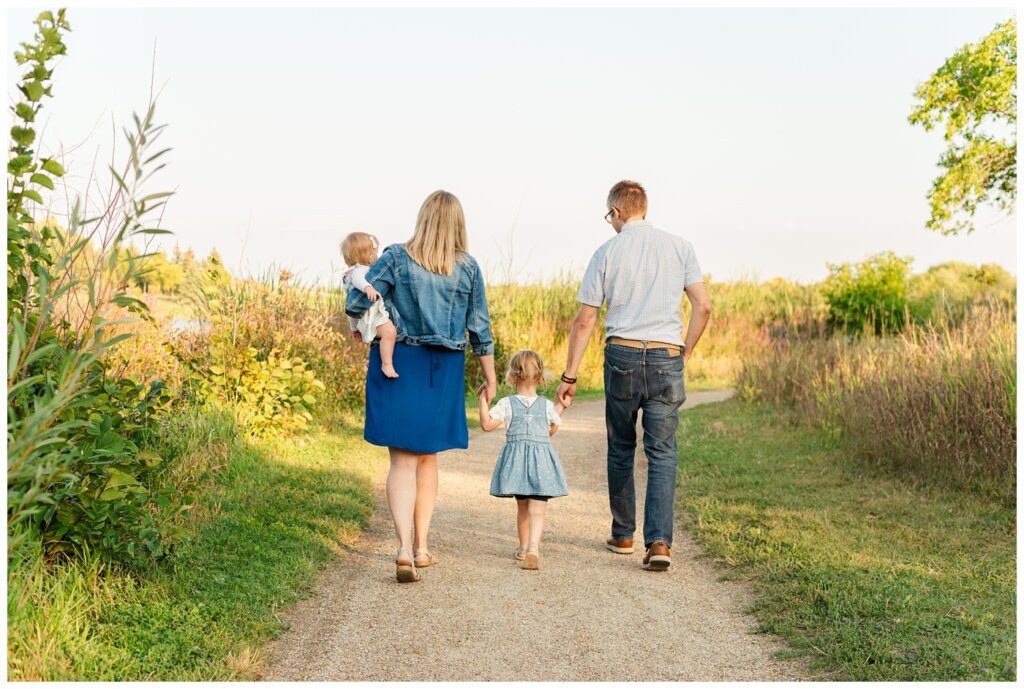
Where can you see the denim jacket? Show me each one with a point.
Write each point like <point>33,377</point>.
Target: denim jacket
<point>428,308</point>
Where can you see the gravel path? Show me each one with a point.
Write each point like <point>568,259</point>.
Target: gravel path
<point>588,614</point>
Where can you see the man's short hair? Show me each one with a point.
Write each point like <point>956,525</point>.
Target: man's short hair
<point>629,197</point>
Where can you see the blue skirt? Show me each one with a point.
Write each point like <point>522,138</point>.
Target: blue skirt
<point>424,409</point>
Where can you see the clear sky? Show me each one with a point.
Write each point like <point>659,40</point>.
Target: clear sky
<point>774,140</point>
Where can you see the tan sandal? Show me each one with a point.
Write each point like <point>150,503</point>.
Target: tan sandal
<point>520,554</point>
<point>531,561</point>
<point>423,559</point>
<point>405,571</point>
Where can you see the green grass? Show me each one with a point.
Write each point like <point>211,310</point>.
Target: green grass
<point>269,519</point>
<point>873,578</point>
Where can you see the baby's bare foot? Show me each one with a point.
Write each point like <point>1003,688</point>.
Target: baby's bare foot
<point>389,370</point>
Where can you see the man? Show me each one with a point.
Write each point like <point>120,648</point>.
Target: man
<point>642,273</point>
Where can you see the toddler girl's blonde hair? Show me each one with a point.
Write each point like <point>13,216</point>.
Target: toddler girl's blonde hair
<point>526,367</point>
<point>359,247</point>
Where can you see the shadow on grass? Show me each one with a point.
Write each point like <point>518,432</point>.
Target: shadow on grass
<point>266,526</point>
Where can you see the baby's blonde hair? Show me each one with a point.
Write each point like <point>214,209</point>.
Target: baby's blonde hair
<point>359,247</point>
<point>525,367</point>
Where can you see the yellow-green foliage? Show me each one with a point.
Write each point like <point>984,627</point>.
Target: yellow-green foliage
<point>946,291</point>
<point>275,394</point>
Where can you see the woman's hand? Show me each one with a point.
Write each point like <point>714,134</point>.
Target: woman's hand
<point>487,424</point>
<point>487,391</point>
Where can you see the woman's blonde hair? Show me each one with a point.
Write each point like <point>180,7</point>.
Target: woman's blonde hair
<point>359,247</point>
<point>525,367</point>
<point>440,233</point>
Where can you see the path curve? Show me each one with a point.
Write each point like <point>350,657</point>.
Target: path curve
<point>588,614</point>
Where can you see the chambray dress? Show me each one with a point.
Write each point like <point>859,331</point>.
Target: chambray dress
<point>528,464</point>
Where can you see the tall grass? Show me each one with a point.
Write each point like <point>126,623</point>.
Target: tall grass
<point>746,315</point>
<point>937,401</point>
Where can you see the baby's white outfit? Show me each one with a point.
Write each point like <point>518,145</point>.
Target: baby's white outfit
<point>374,316</point>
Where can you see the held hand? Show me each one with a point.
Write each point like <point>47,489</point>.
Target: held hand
<point>358,335</point>
<point>565,393</point>
<point>487,391</point>
<point>371,293</point>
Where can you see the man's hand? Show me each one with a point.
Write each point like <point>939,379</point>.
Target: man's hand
<point>371,293</point>
<point>565,393</point>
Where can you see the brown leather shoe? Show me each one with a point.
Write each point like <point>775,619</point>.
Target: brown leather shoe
<point>658,557</point>
<point>622,546</point>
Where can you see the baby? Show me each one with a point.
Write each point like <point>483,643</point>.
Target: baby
<point>359,250</point>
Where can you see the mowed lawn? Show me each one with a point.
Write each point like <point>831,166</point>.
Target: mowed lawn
<point>874,578</point>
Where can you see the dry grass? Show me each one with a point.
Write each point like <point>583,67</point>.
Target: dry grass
<point>937,402</point>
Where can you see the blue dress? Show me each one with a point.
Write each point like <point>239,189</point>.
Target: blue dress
<point>528,465</point>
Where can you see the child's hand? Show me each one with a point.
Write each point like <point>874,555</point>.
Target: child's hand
<point>370,292</point>
<point>358,335</point>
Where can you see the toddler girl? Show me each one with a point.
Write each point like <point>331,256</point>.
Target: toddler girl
<point>359,250</point>
<point>528,468</point>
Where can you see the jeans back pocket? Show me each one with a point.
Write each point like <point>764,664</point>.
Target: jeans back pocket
<point>618,382</point>
<point>671,387</point>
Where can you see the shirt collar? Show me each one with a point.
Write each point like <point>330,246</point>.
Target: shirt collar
<point>636,224</point>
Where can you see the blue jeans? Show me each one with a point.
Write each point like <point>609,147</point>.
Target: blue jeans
<point>651,380</point>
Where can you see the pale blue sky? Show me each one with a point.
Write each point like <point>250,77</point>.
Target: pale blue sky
<point>774,140</point>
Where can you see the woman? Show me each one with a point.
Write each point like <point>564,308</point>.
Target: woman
<point>434,292</point>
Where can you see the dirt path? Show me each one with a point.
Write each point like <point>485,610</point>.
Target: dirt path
<point>588,614</point>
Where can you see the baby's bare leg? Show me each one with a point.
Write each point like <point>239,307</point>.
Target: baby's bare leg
<point>387,334</point>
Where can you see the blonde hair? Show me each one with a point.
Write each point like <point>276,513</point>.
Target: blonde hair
<point>525,367</point>
<point>440,233</point>
<point>629,197</point>
<point>359,247</point>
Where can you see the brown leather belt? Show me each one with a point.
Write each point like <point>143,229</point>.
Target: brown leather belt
<point>673,349</point>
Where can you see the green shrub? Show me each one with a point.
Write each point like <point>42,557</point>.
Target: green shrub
<point>946,292</point>
<point>870,296</point>
<point>266,395</point>
<point>77,474</point>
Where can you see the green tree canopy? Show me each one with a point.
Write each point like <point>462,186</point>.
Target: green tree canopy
<point>974,96</point>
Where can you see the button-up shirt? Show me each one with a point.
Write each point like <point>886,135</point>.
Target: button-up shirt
<point>641,272</point>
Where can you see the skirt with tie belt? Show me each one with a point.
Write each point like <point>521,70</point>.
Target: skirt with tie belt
<point>424,409</point>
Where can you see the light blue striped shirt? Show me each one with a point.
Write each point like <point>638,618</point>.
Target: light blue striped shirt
<point>641,272</point>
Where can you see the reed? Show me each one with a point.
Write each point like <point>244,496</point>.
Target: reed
<point>937,402</point>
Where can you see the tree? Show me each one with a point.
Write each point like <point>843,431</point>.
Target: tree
<point>974,96</point>
<point>216,273</point>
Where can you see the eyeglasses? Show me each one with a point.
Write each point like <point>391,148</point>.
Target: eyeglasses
<point>610,214</point>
